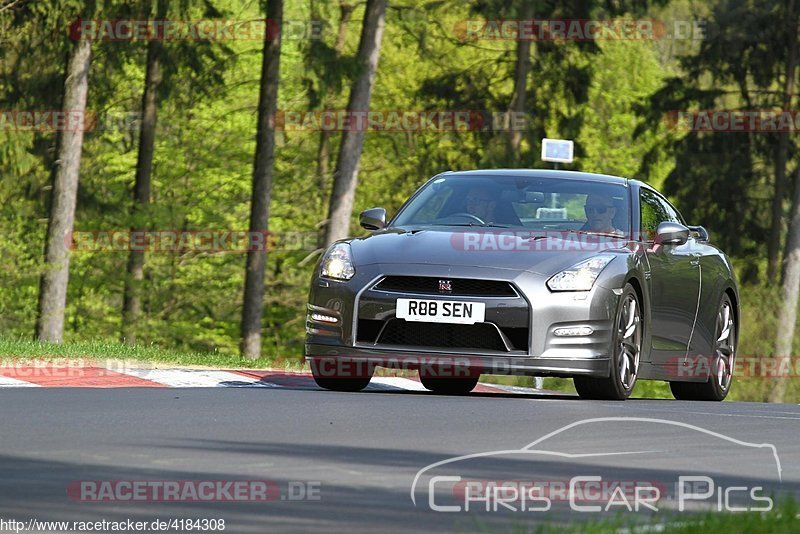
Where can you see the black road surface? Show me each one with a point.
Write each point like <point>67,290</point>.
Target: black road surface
<point>356,455</point>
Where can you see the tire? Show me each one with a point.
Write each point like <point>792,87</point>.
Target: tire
<point>449,385</point>
<point>719,382</point>
<point>341,383</point>
<point>626,350</point>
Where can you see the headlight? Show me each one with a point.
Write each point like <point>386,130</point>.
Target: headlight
<point>338,263</point>
<point>581,276</point>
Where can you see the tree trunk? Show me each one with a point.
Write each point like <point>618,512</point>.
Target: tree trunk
<point>262,185</point>
<point>54,279</point>
<point>324,152</point>
<point>776,225</point>
<point>790,289</point>
<point>132,298</point>
<point>521,70</point>
<point>346,176</point>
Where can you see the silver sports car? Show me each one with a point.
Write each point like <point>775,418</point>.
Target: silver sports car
<point>527,272</point>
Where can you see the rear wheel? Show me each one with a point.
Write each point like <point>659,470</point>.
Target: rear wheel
<point>449,385</point>
<point>626,350</point>
<point>352,376</point>
<point>723,360</point>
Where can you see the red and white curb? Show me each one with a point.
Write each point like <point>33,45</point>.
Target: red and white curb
<point>45,375</point>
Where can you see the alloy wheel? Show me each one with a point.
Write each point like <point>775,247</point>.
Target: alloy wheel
<point>724,346</point>
<point>629,334</point>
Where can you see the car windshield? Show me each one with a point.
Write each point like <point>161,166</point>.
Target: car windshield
<point>532,203</point>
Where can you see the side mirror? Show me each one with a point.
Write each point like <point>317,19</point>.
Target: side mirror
<point>702,233</point>
<point>671,233</point>
<point>373,219</point>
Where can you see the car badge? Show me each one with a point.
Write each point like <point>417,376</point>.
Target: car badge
<point>445,286</point>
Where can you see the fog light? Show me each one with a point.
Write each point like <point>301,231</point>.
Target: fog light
<point>324,318</point>
<point>574,331</point>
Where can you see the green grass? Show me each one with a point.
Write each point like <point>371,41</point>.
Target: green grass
<point>783,519</point>
<point>18,349</point>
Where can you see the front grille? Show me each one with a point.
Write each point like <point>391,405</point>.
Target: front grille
<point>464,287</point>
<point>481,336</point>
<point>368,330</point>
<point>518,337</point>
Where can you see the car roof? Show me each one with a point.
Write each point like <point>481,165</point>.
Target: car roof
<point>542,173</point>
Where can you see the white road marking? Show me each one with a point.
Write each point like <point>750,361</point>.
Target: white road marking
<point>8,382</point>
<point>682,412</point>
<point>397,382</point>
<point>523,389</point>
<point>196,378</point>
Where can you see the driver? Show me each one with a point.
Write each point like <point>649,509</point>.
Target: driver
<point>600,212</point>
<point>480,203</point>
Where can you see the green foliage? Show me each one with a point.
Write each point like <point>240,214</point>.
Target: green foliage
<point>13,351</point>
<point>622,75</point>
<point>609,96</point>
<point>782,519</point>
<point>726,179</point>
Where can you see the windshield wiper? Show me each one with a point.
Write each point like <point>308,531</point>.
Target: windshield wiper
<point>477,225</point>
<point>606,234</point>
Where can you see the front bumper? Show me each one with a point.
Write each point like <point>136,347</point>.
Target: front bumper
<point>452,365</point>
<point>336,309</point>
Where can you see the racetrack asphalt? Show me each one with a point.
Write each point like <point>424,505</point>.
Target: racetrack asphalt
<point>362,451</point>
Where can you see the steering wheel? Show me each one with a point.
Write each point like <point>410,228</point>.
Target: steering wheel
<point>468,216</point>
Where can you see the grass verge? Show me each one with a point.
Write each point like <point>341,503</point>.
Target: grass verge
<point>784,518</point>
<point>18,349</point>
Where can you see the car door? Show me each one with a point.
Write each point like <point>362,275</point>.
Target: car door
<point>674,282</point>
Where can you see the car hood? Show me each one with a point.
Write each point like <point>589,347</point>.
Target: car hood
<point>544,254</point>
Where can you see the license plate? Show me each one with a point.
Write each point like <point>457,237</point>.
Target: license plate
<point>440,311</point>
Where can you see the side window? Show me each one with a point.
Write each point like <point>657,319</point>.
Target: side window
<point>653,211</point>
<point>673,214</point>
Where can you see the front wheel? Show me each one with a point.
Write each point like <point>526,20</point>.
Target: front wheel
<point>449,385</point>
<point>626,349</point>
<point>352,376</point>
<point>718,385</point>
